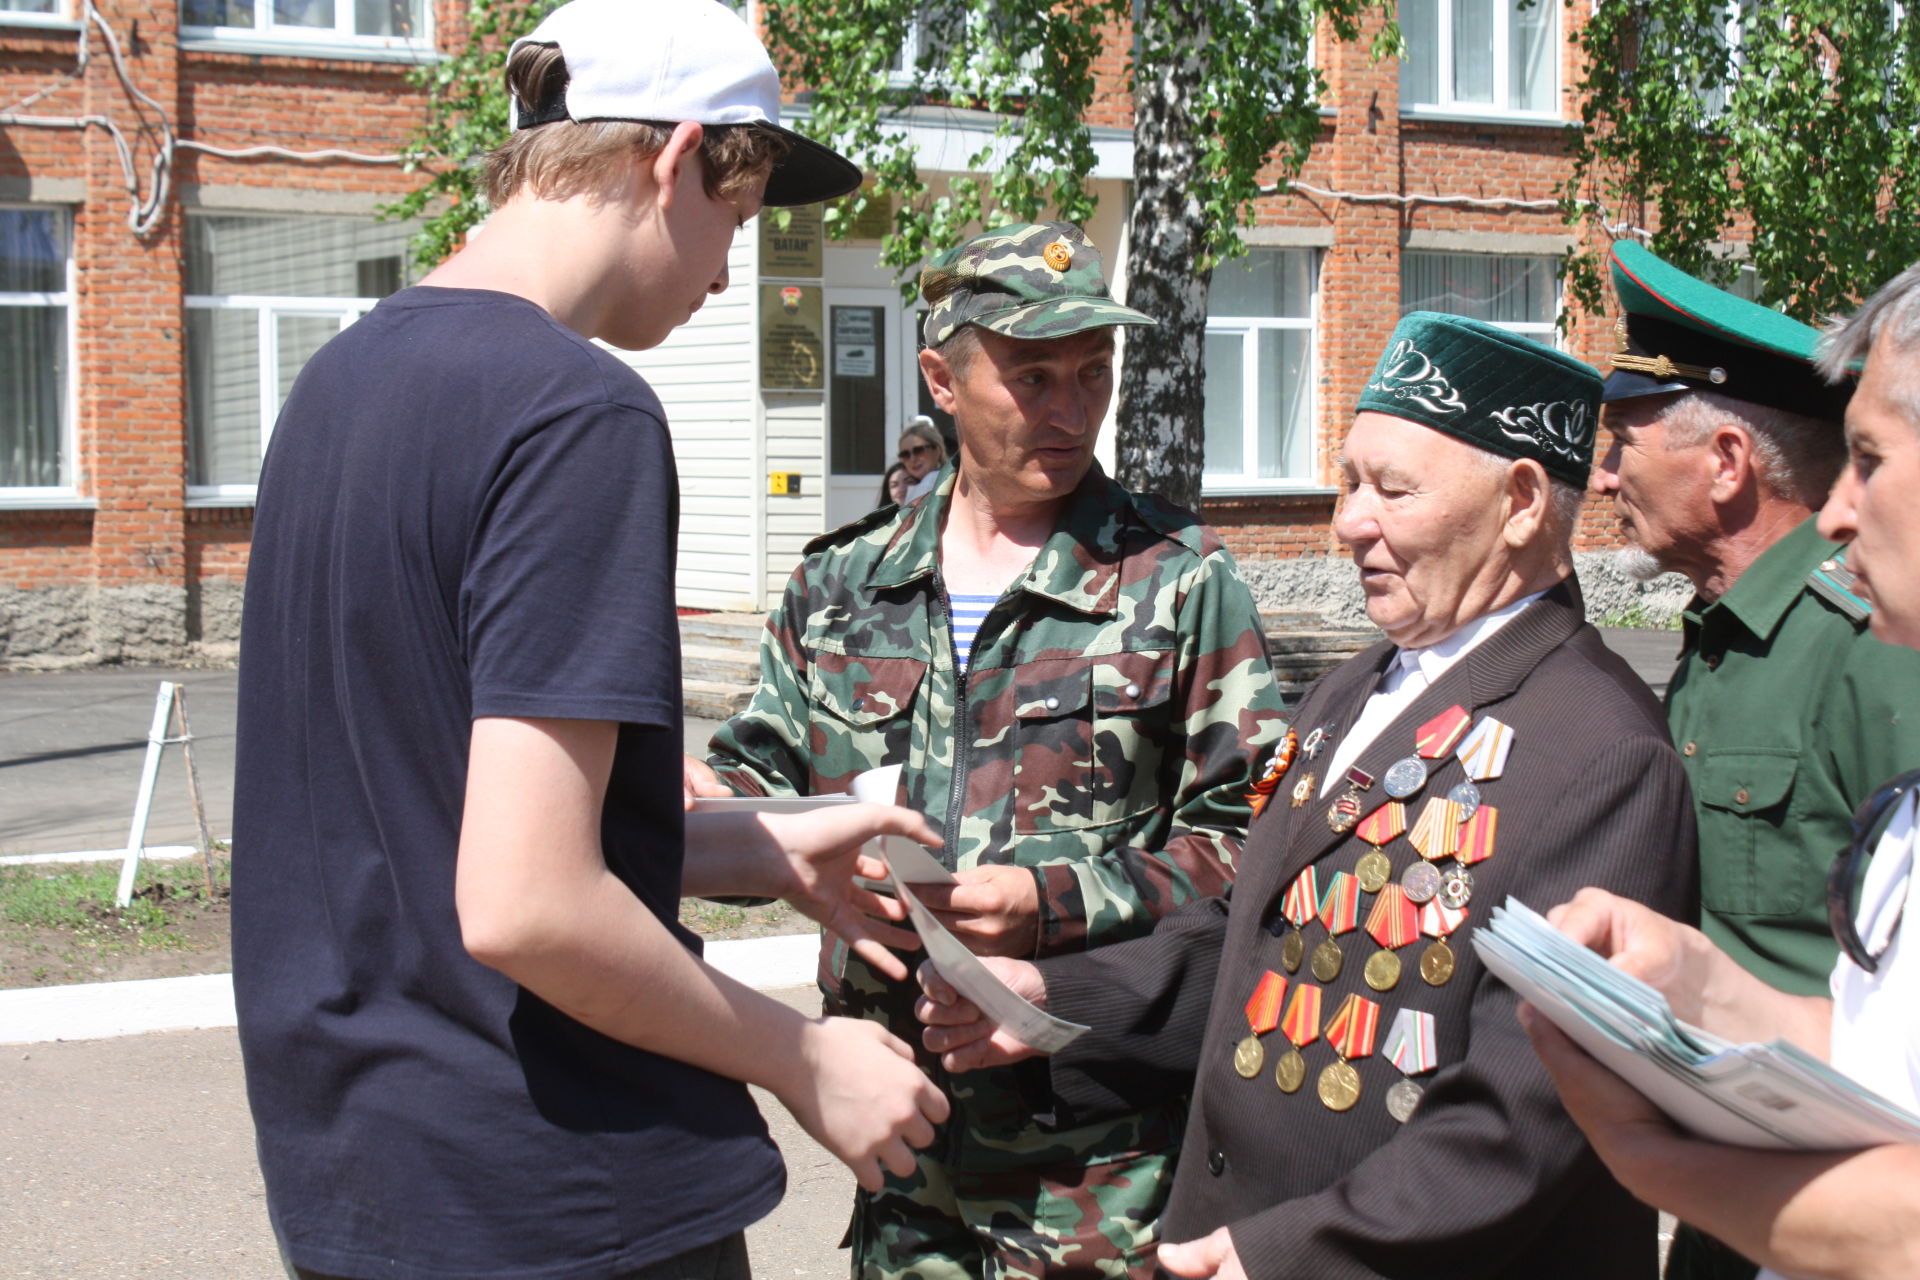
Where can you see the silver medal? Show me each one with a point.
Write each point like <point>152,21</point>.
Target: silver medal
<point>1420,882</point>
<point>1405,777</point>
<point>1466,797</point>
<point>1402,1098</point>
<point>1456,887</point>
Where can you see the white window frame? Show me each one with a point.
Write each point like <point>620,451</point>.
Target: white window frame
<point>1450,108</point>
<point>909,53</point>
<point>64,493</point>
<point>340,36</point>
<point>1247,480</point>
<point>269,308</point>
<point>1544,331</point>
<point>62,17</point>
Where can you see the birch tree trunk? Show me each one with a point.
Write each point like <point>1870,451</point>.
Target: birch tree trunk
<point>1161,423</point>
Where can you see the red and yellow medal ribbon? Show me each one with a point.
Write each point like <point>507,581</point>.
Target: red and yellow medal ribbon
<point>1302,1023</point>
<point>1354,1027</point>
<point>1437,919</point>
<point>1383,824</point>
<point>1302,902</point>
<point>1395,918</point>
<point>1476,836</point>
<point>1340,909</point>
<point>1437,832</point>
<point>1437,736</point>
<point>1282,761</point>
<point>1263,1008</point>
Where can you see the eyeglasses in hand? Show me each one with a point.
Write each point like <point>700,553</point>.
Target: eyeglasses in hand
<point>1850,869</point>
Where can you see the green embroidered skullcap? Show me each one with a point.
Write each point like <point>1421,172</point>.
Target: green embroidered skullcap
<point>1682,334</point>
<point>1489,387</point>
<point>1028,280</point>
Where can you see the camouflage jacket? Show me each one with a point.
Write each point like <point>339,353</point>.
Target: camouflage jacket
<point>1117,698</point>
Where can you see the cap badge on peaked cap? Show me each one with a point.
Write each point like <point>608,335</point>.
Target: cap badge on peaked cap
<point>1491,388</point>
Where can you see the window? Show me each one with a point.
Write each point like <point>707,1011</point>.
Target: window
<point>1482,57</point>
<point>33,11</point>
<point>1259,362</point>
<point>36,299</point>
<point>1521,294</point>
<point>377,23</point>
<point>263,294</point>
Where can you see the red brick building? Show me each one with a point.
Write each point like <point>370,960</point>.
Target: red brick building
<point>188,192</point>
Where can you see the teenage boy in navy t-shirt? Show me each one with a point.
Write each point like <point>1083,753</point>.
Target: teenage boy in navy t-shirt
<point>477,1041</point>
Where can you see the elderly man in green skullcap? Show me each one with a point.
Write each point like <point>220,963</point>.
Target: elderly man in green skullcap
<point>1075,681</point>
<point>1364,1101</point>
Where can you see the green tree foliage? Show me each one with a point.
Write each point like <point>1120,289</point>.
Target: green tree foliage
<point>466,118</point>
<point>1219,90</point>
<point>1806,122</point>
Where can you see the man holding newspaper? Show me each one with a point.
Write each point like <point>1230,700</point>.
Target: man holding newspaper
<point>1853,1214</point>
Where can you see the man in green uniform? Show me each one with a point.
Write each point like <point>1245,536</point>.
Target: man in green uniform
<point>1075,681</point>
<point>1787,713</point>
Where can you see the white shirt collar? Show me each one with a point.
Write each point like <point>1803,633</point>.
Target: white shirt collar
<point>1434,660</point>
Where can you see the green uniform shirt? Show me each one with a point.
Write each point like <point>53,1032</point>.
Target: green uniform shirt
<point>1787,714</point>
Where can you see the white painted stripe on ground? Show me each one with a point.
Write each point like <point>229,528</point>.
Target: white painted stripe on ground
<point>152,853</point>
<point>101,1010</point>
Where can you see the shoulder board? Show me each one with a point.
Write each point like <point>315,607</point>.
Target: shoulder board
<point>851,530</point>
<point>1833,582</point>
<point>1176,524</point>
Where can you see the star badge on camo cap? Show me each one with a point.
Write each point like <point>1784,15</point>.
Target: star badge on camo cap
<point>1679,333</point>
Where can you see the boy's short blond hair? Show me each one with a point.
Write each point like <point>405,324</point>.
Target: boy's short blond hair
<point>566,158</point>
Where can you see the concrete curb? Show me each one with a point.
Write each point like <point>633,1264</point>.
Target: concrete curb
<point>101,1010</point>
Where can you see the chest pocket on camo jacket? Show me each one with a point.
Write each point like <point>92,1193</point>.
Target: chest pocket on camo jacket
<point>867,701</point>
<point>1091,736</point>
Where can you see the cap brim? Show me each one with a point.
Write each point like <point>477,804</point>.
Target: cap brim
<point>810,173</point>
<point>1060,318</point>
<point>1622,385</point>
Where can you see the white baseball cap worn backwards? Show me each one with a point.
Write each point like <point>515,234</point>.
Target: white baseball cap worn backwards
<point>674,60</point>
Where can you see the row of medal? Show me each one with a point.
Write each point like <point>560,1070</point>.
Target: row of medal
<point>1350,1033</point>
<point>1430,899</point>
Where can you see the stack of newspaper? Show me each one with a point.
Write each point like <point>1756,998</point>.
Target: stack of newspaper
<point>1752,1095</point>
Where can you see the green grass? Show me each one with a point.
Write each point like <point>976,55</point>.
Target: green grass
<point>78,900</point>
<point>1640,617</point>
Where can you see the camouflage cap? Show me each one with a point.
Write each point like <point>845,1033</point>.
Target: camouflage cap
<point>1027,280</point>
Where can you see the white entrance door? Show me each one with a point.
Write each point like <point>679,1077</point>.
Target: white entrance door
<point>866,370</point>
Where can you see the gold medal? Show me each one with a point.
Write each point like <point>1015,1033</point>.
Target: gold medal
<point>1291,1072</point>
<point>1339,1086</point>
<point>1249,1056</point>
<point>1293,949</point>
<point>1374,871</point>
<point>1383,970</point>
<point>1436,963</point>
<point>1326,960</point>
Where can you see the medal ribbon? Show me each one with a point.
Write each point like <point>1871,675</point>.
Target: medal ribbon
<point>1383,824</point>
<point>1263,1008</point>
<point>1437,736</point>
<point>1395,919</point>
<point>1303,898</point>
<point>1484,753</point>
<point>1437,834</point>
<point>1302,1024</point>
<point>1354,1027</point>
<point>1410,1042</point>
<point>1476,836</point>
<point>1437,919</point>
<point>1340,909</point>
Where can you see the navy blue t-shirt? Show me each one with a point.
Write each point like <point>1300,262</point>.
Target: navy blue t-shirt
<point>466,510</point>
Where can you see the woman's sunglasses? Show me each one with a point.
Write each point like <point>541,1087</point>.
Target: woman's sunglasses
<point>1849,870</point>
<point>914,452</point>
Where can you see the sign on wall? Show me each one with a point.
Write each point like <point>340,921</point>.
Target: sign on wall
<point>793,333</point>
<point>793,250</point>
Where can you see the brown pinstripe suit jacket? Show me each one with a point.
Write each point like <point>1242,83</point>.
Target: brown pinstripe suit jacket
<point>1489,1177</point>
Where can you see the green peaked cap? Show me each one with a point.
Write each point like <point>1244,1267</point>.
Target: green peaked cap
<point>1491,388</point>
<point>1027,280</point>
<point>1680,333</point>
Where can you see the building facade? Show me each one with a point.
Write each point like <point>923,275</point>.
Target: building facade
<point>189,197</point>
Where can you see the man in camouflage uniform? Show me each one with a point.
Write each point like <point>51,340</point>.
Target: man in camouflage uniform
<point>1087,755</point>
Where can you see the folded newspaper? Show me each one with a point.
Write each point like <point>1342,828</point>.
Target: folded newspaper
<point>1752,1095</point>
